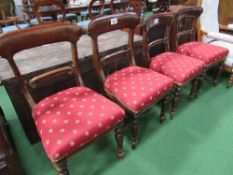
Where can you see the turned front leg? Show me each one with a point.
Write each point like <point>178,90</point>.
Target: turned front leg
<point>119,140</point>
<point>175,101</point>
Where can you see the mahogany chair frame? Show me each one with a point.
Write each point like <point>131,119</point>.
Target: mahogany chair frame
<point>127,21</point>
<point>189,31</point>
<point>137,5</point>
<point>58,7</point>
<point>10,20</point>
<point>38,36</point>
<point>90,7</point>
<point>167,21</point>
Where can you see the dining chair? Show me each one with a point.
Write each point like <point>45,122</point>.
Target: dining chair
<point>73,118</point>
<point>92,14</point>
<point>28,7</point>
<point>136,6</point>
<point>85,14</point>
<point>10,23</point>
<point>52,8</point>
<point>212,55</point>
<point>212,31</point>
<point>181,68</point>
<point>134,88</point>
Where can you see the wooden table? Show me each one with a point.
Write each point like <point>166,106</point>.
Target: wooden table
<point>52,56</point>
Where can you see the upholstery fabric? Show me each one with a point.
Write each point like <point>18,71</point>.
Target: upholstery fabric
<point>137,87</point>
<point>83,24</point>
<point>179,67</point>
<point>229,46</point>
<point>13,27</point>
<point>85,13</point>
<point>69,16</point>
<point>203,51</point>
<point>69,119</point>
<point>34,21</point>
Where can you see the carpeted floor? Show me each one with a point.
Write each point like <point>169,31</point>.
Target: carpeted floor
<point>197,142</point>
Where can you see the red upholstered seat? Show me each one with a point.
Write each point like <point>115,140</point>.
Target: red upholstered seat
<point>203,51</point>
<point>73,117</point>
<point>136,87</point>
<point>179,67</point>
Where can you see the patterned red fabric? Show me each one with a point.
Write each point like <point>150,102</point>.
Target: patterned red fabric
<point>203,51</point>
<point>67,120</point>
<point>137,87</point>
<point>179,67</point>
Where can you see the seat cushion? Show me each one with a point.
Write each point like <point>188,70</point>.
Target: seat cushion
<point>83,24</point>
<point>69,16</point>
<point>69,119</point>
<point>137,87</point>
<point>179,67</point>
<point>13,27</point>
<point>107,11</point>
<point>85,13</point>
<point>34,21</point>
<point>203,51</point>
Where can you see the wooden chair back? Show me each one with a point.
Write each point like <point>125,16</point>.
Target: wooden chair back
<point>186,20</point>
<point>50,7</point>
<point>37,36</point>
<point>136,6</point>
<point>111,23</point>
<point>8,7</point>
<point>28,5</point>
<point>156,32</point>
<point>91,7</point>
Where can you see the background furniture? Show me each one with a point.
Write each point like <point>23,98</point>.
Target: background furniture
<point>8,7</point>
<point>225,14</point>
<point>9,163</point>
<point>54,8</point>
<point>8,20</point>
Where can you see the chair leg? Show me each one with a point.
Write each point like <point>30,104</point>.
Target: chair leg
<point>230,81</point>
<point>201,77</point>
<point>164,109</point>
<point>192,94</point>
<point>134,132</point>
<point>175,101</point>
<point>219,72</point>
<point>61,167</point>
<point>119,140</point>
